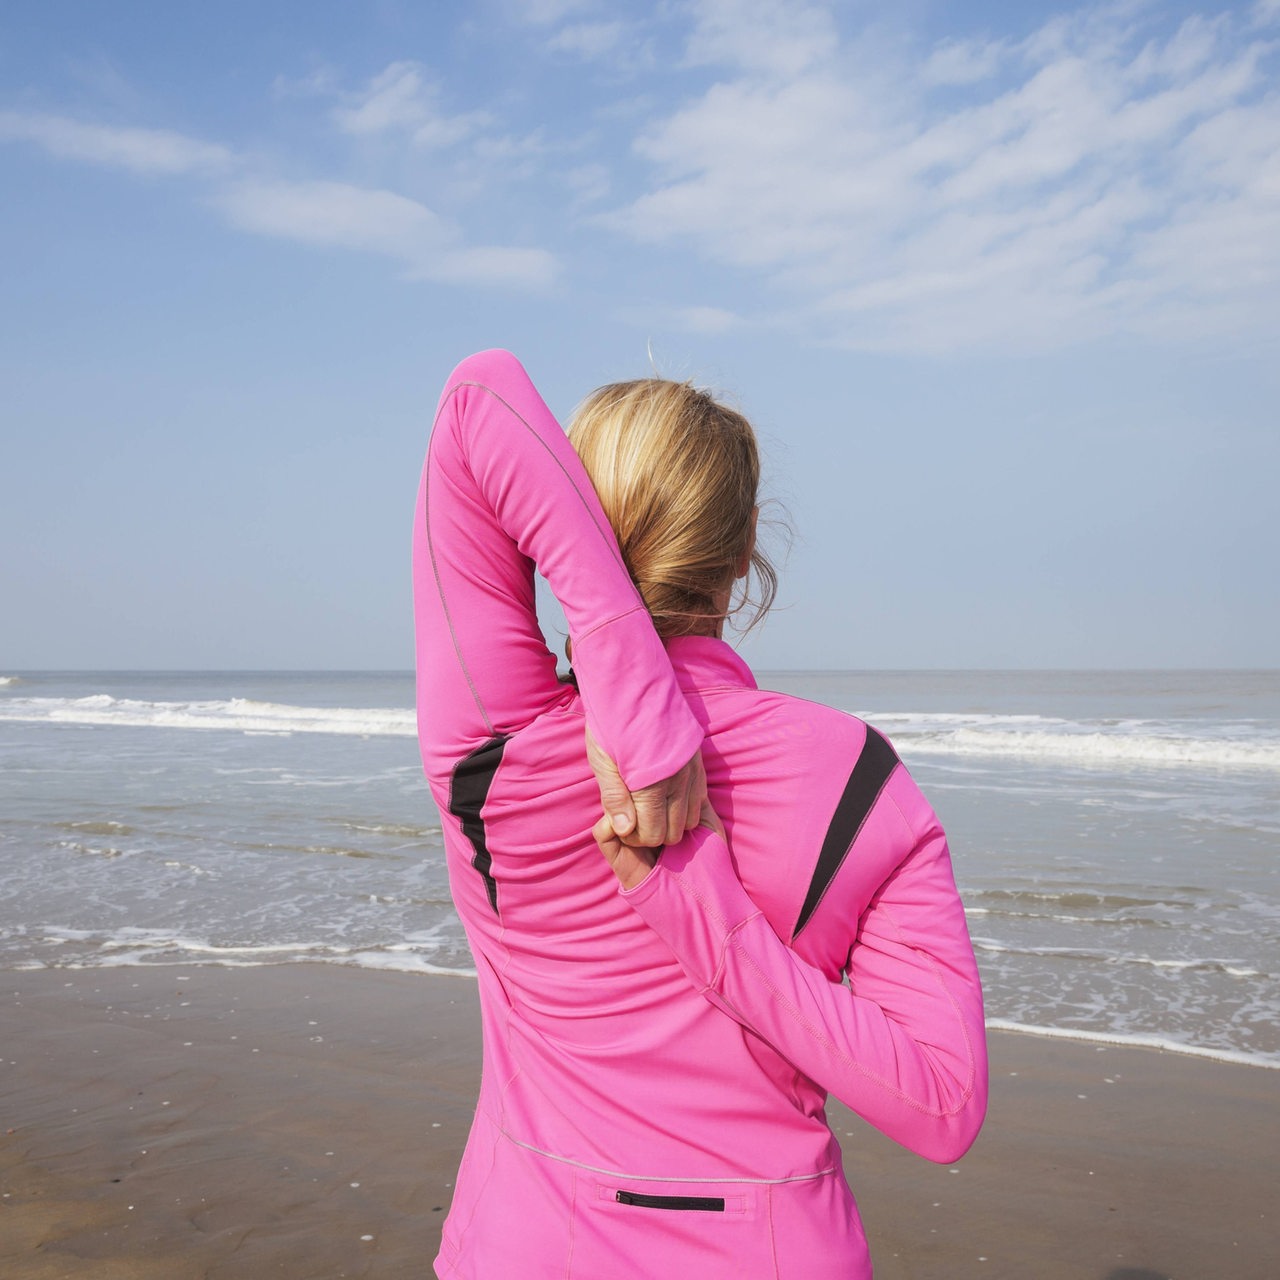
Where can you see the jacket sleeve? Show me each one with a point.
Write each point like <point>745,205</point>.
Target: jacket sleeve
<point>903,1045</point>
<point>503,492</point>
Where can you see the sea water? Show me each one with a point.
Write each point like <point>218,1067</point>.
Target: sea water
<point>1116,835</point>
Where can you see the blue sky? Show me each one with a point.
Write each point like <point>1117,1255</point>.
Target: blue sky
<point>996,282</point>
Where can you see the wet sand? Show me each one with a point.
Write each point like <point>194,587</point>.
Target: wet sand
<point>305,1121</point>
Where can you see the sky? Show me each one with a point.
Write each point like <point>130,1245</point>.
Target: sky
<point>997,283</point>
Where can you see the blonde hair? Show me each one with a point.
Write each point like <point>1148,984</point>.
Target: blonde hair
<point>677,474</point>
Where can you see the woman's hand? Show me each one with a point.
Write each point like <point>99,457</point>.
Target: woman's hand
<point>632,865</point>
<point>655,815</point>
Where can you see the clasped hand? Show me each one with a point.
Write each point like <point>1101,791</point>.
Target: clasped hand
<point>636,823</point>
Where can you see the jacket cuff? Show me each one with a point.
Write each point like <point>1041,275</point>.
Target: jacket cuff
<point>694,901</point>
<point>635,709</point>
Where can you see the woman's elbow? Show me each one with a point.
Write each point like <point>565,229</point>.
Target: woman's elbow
<point>950,1135</point>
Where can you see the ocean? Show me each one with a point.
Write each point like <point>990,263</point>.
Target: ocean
<point>1116,835</point>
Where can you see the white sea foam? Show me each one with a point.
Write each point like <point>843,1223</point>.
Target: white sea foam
<point>1270,1061</point>
<point>398,960</point>
<point>237,714</point>
<point>1106,749</point>
<point>8,680</point>
<point>1161,744</point>
<point>1230,745</point>
<point>1206,964</point>
<point>124,947</point>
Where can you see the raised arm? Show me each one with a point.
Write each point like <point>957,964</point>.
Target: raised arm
<point>903,1045</point>
<point>502,492</point>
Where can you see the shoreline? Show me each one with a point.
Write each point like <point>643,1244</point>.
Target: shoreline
<point>1110,1040</point>
<point>306,956</point>
<point>305,1120</point>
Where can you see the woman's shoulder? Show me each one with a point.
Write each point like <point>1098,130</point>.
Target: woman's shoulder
<point>836,742</point>
<point>833,724</point>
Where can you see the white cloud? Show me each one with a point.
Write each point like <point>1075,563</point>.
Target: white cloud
<point>335,213</point>
<point>1191,47</point>
<point>401,99</point>
<point>545,12</point>
<point>776,37</point>
<point>963,61</point>
<point>495,265</point>
<point>1266,13</point>
<point>708,320</point>
<point>144,151</point>
<point>322,82</point>
<point>772,37</point>
<point>1097,178</point>
<point>587,39</point>
<point>1113,172</point>
<point>589,183</point>
<point>319,213</point>
<point>338,215</point>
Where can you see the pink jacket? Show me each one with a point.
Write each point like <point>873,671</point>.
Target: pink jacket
<point>656,1061</point>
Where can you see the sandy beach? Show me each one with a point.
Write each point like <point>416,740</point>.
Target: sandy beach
<point>305,1120</point>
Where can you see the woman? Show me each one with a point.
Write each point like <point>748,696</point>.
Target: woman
<point>656,1056</point>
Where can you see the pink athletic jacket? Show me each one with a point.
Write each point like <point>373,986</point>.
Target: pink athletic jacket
<point>656,1061</point>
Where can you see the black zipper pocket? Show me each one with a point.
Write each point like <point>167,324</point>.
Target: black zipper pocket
<point>705,1204</point>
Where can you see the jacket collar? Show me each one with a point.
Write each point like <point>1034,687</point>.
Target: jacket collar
<point>702,662</point>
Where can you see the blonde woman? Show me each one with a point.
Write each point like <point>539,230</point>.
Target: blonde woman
<point>662,1026</point>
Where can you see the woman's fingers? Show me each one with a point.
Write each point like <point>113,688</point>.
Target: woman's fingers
<point>631,866</point>
<point>654,815</point>
<point>697,793</point>
<point>604,836</point>
<point>615,798</point>
<point>709,818</point>
<point>684,800</point>
<point>672,807</point>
